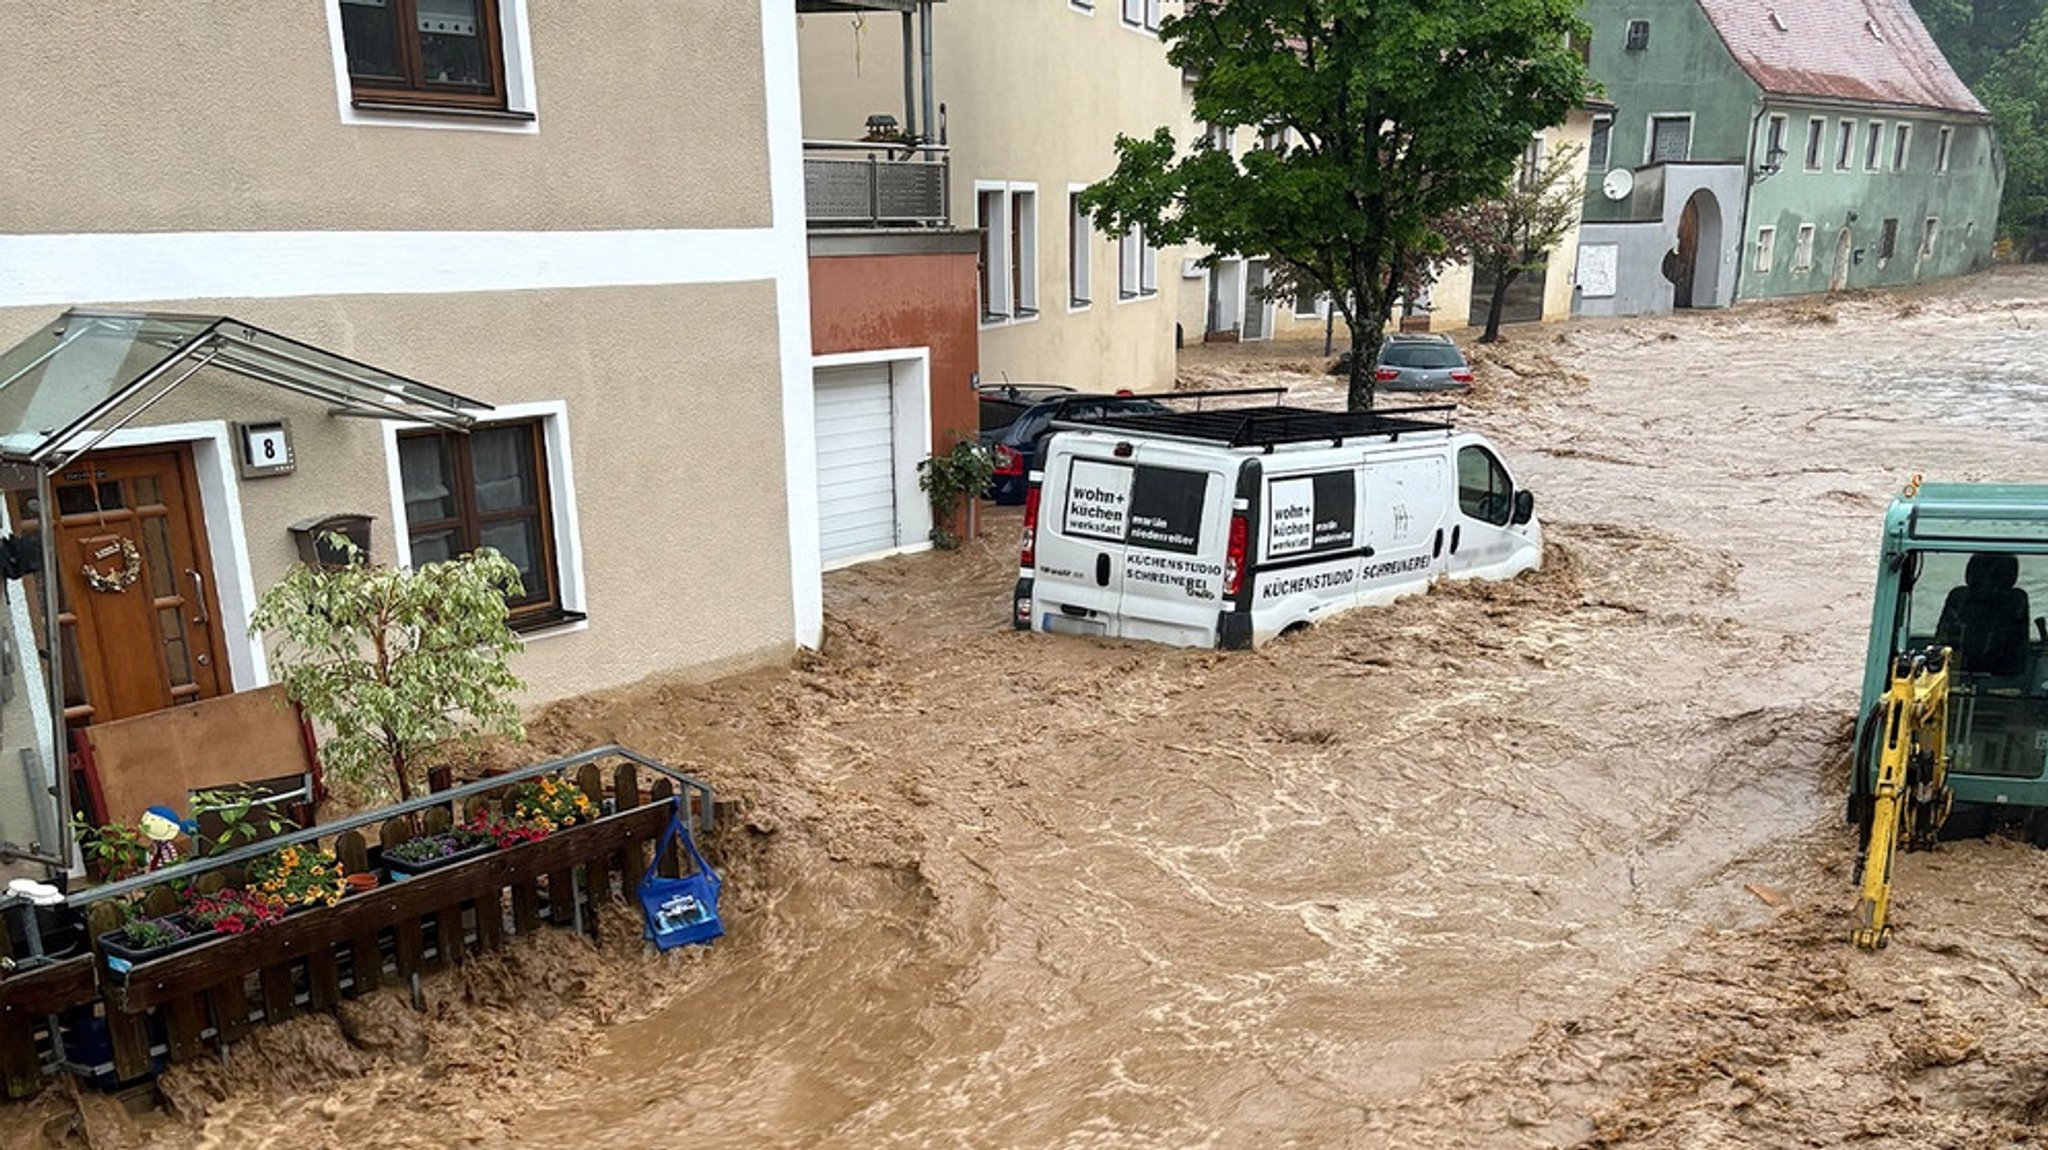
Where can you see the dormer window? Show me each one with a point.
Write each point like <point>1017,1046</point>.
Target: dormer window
<point>1638,35</point>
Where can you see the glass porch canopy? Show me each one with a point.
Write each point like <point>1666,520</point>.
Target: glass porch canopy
<point>89,373</point>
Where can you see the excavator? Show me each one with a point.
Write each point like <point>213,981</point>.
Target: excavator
<point>1952,736</point>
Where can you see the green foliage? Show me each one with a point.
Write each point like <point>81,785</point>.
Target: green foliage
<point>2000,49</point>
<point>392,662</point>
<point>241,813</point>
<point>962,473</point>
<point>1402,112</point>
<point>118,851</point>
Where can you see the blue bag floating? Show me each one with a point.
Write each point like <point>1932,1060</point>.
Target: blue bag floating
<point>680,910</point>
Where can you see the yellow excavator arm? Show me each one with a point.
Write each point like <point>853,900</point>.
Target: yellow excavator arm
<point>1911,797</point>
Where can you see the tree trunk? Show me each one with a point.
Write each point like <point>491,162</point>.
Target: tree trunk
<point>1365,354</point>
<point>1501,283</point>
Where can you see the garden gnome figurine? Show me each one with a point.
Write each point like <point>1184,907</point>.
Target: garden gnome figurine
<point>162,826</point>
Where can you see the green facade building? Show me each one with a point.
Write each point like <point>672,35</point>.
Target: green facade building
<point>1759,150</point>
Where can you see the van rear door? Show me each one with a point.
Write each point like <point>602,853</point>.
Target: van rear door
<point>1082,517</point>
<point>1174,547</point>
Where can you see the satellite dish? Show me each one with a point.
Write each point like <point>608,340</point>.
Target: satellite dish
<point>1618,184</point>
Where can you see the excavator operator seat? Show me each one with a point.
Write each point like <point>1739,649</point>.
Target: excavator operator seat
<point>1985,619</point>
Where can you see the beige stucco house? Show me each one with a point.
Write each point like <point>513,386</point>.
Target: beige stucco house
<point>590,234</point>
<point>1029,99</point>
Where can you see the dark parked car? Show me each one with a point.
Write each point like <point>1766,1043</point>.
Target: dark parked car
<point>1018,442</point>
<point>1421,363</point>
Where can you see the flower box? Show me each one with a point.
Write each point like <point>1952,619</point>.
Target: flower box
<point>123,954</point>
<point>456,849</point>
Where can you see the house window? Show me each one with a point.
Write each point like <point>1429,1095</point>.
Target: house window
<point>1941,147</point>
<point>1670,139</point>
<point>1887,240</point>
<point>1596,152</point>
<point>1766,248</point>
<point>1222,139</point>
<point>1638,35</point>
<point>1142,14</point>
<point>488,488</point>
<point>1306,306</point>
<point>447,53</point>
<point>992,220</point>
<point>1802,251</point>
<point>1845,146</point>
<point>1929,232</point>
<point>1273,140</point>
<point>1024,252</point>
<point>1087,6</point>
<point>1901,146</point>
<point>1137,271</point>
<point>1532,164</point>
<point>1080,247</point>
<point>1816,142</point>
<point>1873,142</point>
<point>1774,144</point>
<point>1007,217</point>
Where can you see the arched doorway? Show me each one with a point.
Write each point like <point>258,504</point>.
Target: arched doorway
<point>1695,280</point>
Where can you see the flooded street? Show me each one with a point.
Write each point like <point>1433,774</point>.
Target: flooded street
<point>1557,862</point>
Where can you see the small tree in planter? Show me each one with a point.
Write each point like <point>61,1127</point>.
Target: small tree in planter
<point>392,662</point>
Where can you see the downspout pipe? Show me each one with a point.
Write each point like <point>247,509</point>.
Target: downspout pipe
<point>1763,108</point>
<point>909,83</point>
<point>931,110</point>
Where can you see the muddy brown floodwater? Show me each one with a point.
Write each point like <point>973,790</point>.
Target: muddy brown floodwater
<point>1474,870</point>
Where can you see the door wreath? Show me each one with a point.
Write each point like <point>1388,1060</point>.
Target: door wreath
<point>120,578</point>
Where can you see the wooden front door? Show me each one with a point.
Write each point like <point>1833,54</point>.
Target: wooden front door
<point>1688,254</point>
<point>140,620</point>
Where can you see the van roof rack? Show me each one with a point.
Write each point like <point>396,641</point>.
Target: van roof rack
<point>1270,427</point>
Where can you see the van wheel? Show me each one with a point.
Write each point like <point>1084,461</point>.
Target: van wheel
<point>1293,629</point>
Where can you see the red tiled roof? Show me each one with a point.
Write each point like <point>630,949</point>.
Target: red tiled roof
<point>1843,49</point>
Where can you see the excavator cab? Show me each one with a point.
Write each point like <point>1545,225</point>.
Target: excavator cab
<point>1965,567</point>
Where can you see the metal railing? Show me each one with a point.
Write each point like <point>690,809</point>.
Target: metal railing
<point>872,185</point>
<point>193,868</point>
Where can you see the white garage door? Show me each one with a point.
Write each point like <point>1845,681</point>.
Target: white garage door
<point>856,460</point>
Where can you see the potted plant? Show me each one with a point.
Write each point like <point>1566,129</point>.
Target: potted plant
<point>504,832</point>
<point>148,938</point>
<point>431,852</point>
<point>299,877</point>
<point>551,804</point>
<point>234,911</point>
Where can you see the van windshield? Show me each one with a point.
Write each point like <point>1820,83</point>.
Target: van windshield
<point>1423,355</point>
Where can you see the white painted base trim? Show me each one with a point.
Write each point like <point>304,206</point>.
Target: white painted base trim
<point>870,557</point>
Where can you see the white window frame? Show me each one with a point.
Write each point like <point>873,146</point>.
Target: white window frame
<point>1802,249</point>
<point>553,415</point>
<point>1137,268</point>
<point>1816,143</point>
<point>521,98</point>
<point>1315,306</point>
<point>1766,248</point>
<point>1023,216</point>
<point>1845,148</point>
<point>1142,16</point>
<point>1780,127</point>
<point>1606,159</point>
<point>1220,138</point>
<point>1944,147</point>
<point>1628,32</point>
<point>1930,235</point>
<point>1080,253</point>
<point>995,312</point>
<point>1873,145</point>
<point>1650,135</point>
<point>1902,146</point>
<point>1084,7</point>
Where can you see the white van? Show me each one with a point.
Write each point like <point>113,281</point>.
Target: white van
<point>1227,528</point>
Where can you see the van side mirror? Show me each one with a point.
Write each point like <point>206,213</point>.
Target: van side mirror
<point>1525,507</point>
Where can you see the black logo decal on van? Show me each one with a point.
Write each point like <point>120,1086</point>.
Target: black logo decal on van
<point>1312,514</point>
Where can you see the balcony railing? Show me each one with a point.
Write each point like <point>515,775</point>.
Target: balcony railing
<point>873,185</point>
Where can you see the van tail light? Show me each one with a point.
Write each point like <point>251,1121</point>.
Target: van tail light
<point>1386,374</point>
<point>1233,558</point>
<point>1461,375</point>
<point>1008,460</point>
<point>1027,543</point>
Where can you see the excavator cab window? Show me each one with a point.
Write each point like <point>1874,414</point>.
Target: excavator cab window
<point>1981,605</point>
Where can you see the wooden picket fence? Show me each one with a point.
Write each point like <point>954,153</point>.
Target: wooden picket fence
<point>197,1001</point>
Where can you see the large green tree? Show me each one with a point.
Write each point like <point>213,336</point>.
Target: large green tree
<point>2000,49</point>
<point>1399,112</point>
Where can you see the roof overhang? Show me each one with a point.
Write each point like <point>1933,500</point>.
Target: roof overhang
<point>89,373</point>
